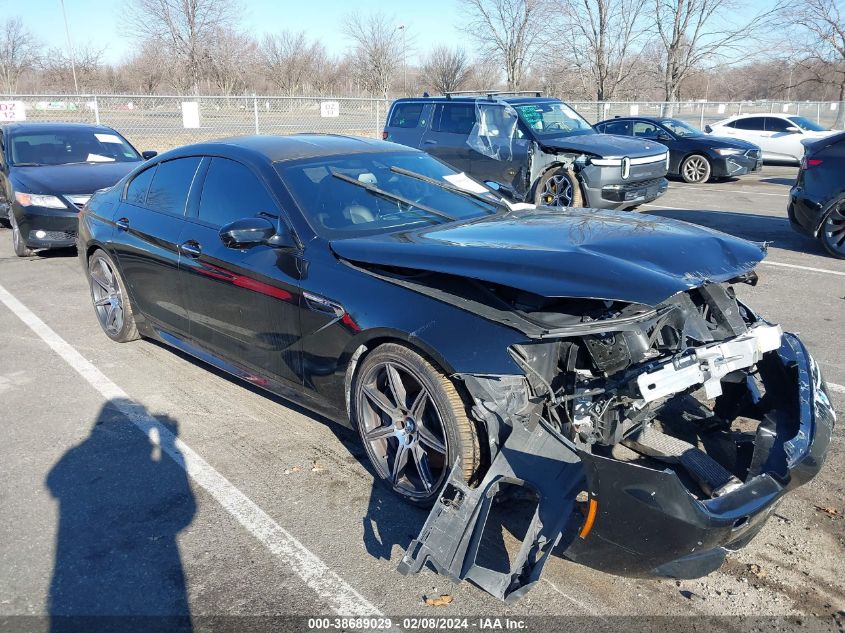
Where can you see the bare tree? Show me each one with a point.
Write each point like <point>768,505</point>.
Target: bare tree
<point>821,54</point>
<point>509,30</point>
<point>446,69</point>
<point>57,68</point>
<point>230,58</point>
<point>694,32</point>
<point>292,60</point>
<point>18,53</point>
<point>184,27</point>
<point>147,69</point>
<point>603,35</point>
<point>377,52</point>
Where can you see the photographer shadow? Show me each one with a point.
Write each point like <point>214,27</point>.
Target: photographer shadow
<point>123,498</point>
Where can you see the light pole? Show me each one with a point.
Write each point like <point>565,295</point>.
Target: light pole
<point>70,48</point>
<point>402,28</point>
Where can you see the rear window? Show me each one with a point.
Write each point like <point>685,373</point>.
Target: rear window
<point>406,115</point>
<point>171,184</point>
<point>622,128</point>
<point>455,118</point>
<point>136,192</point>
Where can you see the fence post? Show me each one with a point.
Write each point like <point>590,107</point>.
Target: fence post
<point>378,116</point>
<point>819,112</point>
<point>96,111</point>
<point>701,118</point>
<point>255,111</point>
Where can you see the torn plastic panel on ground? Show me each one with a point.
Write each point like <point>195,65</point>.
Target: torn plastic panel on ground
<point>625,480</point>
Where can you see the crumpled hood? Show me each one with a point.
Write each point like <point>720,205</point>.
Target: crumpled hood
<point>605,145</point>
<point>577,253</point>
<point>70,179</point>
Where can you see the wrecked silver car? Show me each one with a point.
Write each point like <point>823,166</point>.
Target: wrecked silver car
<point>532,148</point>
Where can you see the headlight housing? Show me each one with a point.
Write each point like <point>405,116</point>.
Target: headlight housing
<point>39,200</point>
<point>723,151</point>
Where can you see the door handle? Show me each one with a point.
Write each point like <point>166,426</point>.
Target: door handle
<point>122,224</point>
<point>190,249</point>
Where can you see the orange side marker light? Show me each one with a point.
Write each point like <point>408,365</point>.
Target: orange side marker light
<point>591,518</point>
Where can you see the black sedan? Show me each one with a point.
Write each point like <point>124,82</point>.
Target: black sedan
<point>599,360</point>
<point>693,155</point>
<point>817,199</point>
<point>49,170</point>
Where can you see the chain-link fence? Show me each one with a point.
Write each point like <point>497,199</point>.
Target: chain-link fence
<point>700,113</point>
<point>164,122</point>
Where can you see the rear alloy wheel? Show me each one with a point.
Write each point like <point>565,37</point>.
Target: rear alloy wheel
<point>412,422</point>
<point>695,169</point>
<point>833,231</point>
<point>21,249</point>
<point>558,188</point>
<point>111,303</point>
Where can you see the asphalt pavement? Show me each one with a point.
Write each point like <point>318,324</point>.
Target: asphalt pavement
<point>137,480</point>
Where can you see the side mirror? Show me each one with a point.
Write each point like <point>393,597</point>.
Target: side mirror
<point>500,188</point>
<point>149,154</point>
<point>663,136</point>
<point>793,130</point>
<point>247,232</point>
<point>708,129</point>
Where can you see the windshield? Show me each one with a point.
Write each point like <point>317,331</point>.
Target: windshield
<point>365,194</point>
<point>550,120</point>
<point>679,128</point>
<point>62,147</point>
<point>806,124</point>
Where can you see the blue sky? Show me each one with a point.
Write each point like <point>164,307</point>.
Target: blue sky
<point>96,21</point>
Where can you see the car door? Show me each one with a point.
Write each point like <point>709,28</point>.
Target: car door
<point>751,129</point>
<point>783,143</point>
<point>242,302</point>
<point>148,224</point>
<point>649,130</point>
<point>499,147</point>
<point>447,136</point>
<point>408,122</point>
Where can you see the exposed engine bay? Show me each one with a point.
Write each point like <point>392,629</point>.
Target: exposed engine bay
<point>688,419</point>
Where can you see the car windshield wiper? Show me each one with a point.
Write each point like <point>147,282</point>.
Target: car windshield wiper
<point>391,196</point>
<point>449,187</point>
<point>28,165</point>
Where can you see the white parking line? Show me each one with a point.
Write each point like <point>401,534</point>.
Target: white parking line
<point>341,597</point>
<point>737,191</point>
<point>809,268</point>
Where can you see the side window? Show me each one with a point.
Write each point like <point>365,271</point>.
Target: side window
<point>774,124</point>
<point>756,123</point>
<point>455,118</point>
<point>406,115</point>
<point>622,128</point>
<point>136,192</point>
<point>645,129</point>
<point>232,192</point>
<point>171,184</point>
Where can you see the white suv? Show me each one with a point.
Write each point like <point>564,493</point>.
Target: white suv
<point>780,136</point>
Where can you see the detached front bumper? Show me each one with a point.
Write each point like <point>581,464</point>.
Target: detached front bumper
<point>637,520</point>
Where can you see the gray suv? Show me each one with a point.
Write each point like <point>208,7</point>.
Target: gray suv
<point>532,148</point>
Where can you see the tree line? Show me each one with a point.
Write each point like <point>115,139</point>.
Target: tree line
<point>667,50</point>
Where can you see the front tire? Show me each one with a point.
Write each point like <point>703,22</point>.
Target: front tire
<point>110,299</point>
<point>558,188</point>
<point>832,233</point>
<point>695,169</point>
<point>412,423</point>
<point>18,243</point>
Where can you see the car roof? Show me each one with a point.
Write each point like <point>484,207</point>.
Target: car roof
<point>491,98</point>
<point>292,147</point>
<point>636,117</point>
<point>748,115</point>
<point>50,126</point>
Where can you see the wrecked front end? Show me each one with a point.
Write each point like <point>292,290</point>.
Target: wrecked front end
<point>650,441</point>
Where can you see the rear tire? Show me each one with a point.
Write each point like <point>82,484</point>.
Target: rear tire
<point>558,187</point>
<point>110,299</point>
<point>412,422</point>
<point>832,233</point>
<point>18,243</point>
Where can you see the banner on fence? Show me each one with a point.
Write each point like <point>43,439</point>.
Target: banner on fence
<point>12,111</point>
<point>329,109</point>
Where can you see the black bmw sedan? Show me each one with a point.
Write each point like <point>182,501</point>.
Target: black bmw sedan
<point>817,199</point>
<point>693,155</point>
<point>49,170</point>
<point>599,360</point>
